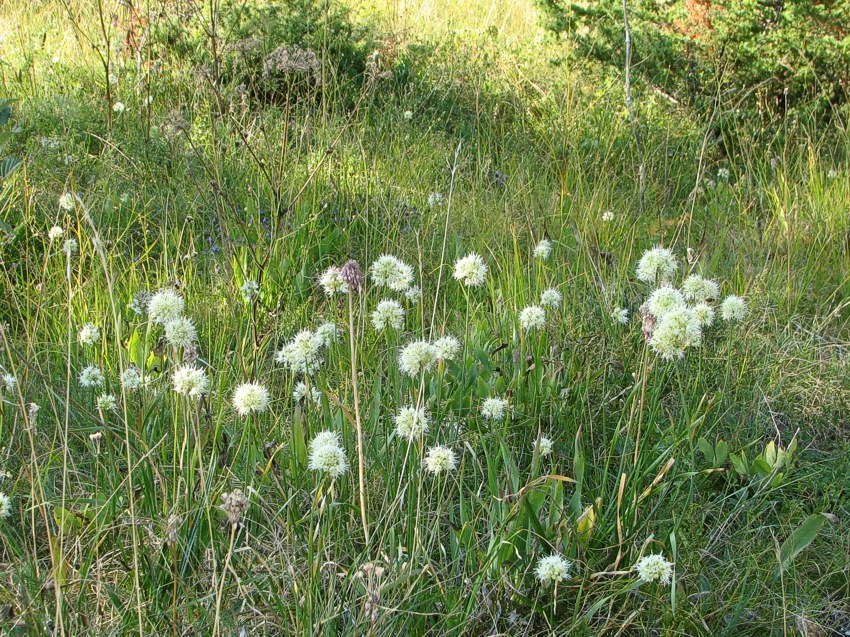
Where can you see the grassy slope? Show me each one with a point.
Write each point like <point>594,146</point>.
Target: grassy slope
<point>545,150</point>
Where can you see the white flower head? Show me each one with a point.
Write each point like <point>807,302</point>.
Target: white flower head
<point>190,381</point>
<point>723,174</point>
<point>411,423</point>
<point>55,233</point>
<point>91,376</point>
<point>448,347</point>
<point>324,439</point>
<point>657,265</point>
<point>663,300</point>
<point>551,298</point>
<point>328,333</point>
<point>328,458</point>
<point>471,270</point>
<point>543,250</point>
<point>544,446</point>
<point>733,308</point>
<point>9,382</point>
<point>494,408</point>
<point>5,506</point>
<point>440,460</point>
<point>417,358</point>
<point>435,199</point>
<point>89,334</point>
<point>299,393</point>
<point>532,317</point>
<point>654,567</point>
<point>106,402</point>
<point>413,294</point>
<point>552,569</point>
<point>166,305</point>
<point>303,353</point>
<point>388,271</point>
<point>388,314</point>
<point>131,378</point>
<point>607,216</point>
<point>332,282</point>
<point>250,290</point>
<point>408,115</point>
<point>699,290</point>
<point>704,313</point>
<point>118,107</point>
<point>620,315</point>
<point>70,247</point>
<point>251,398</point>
<point>67,201</point>
<point>180,332</point>
<point>675,332</point>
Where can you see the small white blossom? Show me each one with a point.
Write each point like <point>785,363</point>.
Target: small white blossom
<point>5,506</point>
<point>704,313</point>
<point>251,398</point>
<point>332,282</point>
<point>388,314</point>
<point>663,300</point>
<point>9,382</point>
<point>440,460</point>
<point>118,107</point>
<point>471,270</point>
<point>131,378</point>
<point>327,333</point>
<point>494,408</point>
<point>328,458</point>
<point>388,271</point>
<point>70,247</point>
<point>733,308</point>
<point>324,439</point>
<point>180,332</point>
<point>607,216</point>
<point>89,334</point>
<point>699,290</point>
<point>106,402</point>
<point>723,174</point>
<point>551,298</point>
<point>532,317</point>
<point>55,233</point>
<point>544,446</point>
<point>448,347</point>
<point>67,201</point>
<point>303,353</point>
<point>654,567</point>
<point>657,265</point>
<point>543,250</point>
<point>299,393</point>
<point>417,358</point>
<point>620,315</point>
<point>434,199</point>
<point>190,381</point>
<point>411,422</point>
<point>250,290</point>
<point>413,294</point>
<point>91,376</point>
<point>166,305</point>
<point>408,115</point>
<point>552,569</point>
<point>675,332</point>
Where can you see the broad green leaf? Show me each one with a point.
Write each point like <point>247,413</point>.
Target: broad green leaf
<point>799,539</point>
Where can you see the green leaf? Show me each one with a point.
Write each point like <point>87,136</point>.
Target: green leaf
<point>799,539</point>
<point>137,349</point>
<point>8,166</point>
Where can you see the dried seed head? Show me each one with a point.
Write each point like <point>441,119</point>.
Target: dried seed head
<point>234,504</point>
<point>352,275</point>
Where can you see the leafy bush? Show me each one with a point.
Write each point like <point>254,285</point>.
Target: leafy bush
<point>768,56</point>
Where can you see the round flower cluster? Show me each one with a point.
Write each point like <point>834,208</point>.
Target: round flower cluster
<point>332,282</point>
<point>552,569</point>
<point>417,358</point>
<point>733,308</point>
<point>250,398</point>
<point>106,402</point>
<point>250,290</point>
<point>89,334</point>
<point>532,317</point>
<point>55,233</point>
<point>699,290</point>
<point>440,460</point>
<point>411,422</point>
<point>328,333</point>
<point>131,378</point>
<point>9,382</point>
<point>494,408</point>
<point>388,271</point>
<point>620,315</point>
<point>67,201</point>
<point>544,446</point>
<point>663,300</point>
<point>654,567</point>
<point>166,305</point>
<point>675,332</point>
<point>388,314</point>
<point>299,393</point>
<point>303,354</point>
<point>5,506</point>
<point>448,347</point>
<point>657,265</point>
<point>551,298</point>
<point>543,250</point>
<point>327,454</point>
<point>190,381</point>
<point>180,332</point>
<point>471,270</point>
<point>91,376</point>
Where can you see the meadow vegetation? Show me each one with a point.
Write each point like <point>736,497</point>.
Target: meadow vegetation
<point>378,320</point>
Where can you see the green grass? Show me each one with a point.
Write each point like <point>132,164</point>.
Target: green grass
<point>116,526</point>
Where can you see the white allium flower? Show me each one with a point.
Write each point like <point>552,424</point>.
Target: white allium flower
<point>166,305</point>
<point>620,315</point>
<point>607,216</point>
<point>70,247</point>
<point>329,458</point>
<point>699,290</point>
<point>544,446</point>
<point>434,199</point>
<point>494,408</point>
<point>411,422</point>
<point>656,265</point>
<point>324,439</point>
<point>66,201</point>
<point>303,353</point>
<point>106,402</point>
<point>91,376</point>
<point>417,357</point>
<point>190,381</point>
<point>55,233</point>
<point>251,398</point>
<point>654,567</point>
<point>408,115</point>
<point>413,294</point>
<point>832,173</point>
<point>471,270</point>
<point>89,334</point>
<point>675,332</point>
<point>299,393</point>
<point>250,290</point>
<point>328,333</point>
<point>180,332</point>
<point>448,347</point>
<point>388,314</point>
<point>551,298</point>
<point>663,300</point>
<point>733,308</point>
<point>118,107</point>
<point>552,569</point>
<point>131,378</point>
<point>440,460</point>
<point>532,317</point>
<point>5,506</point>
<point>9,382</point>
<point>704,313</point>
<point>543,250</point>
<point>332,282</point>
<point>723,173</point>
<point>388,271</point>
